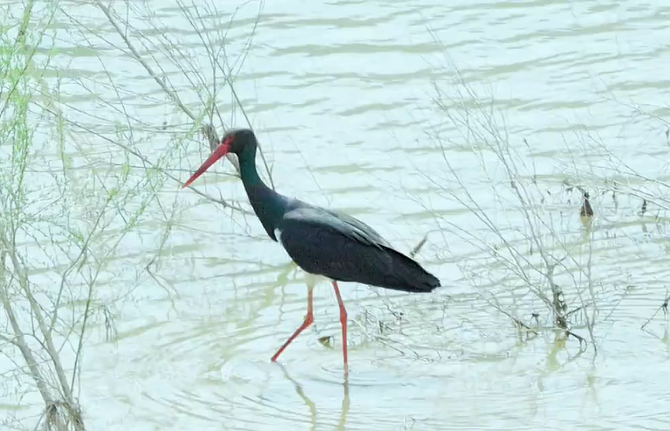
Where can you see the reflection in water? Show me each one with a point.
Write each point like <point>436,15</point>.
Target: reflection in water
<point>345,404</point>
<point>301,393</point>
<point>344,410</point>
<point>560,345</point>
<point>282,278</point>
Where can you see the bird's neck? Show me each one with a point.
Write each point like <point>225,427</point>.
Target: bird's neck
<point>268,205</point>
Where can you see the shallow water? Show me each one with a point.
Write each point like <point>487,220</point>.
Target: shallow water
<point>344,98</point>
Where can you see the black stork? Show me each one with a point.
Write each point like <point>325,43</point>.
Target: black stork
<point>323,243</point>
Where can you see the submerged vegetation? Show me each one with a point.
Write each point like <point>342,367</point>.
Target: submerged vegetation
<point>87,201</point>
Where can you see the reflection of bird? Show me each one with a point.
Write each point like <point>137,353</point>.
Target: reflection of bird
<point>586,212</point>
<point>323,243</point>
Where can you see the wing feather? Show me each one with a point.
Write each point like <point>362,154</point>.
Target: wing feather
<point>338,222</point>
<point>342,248</point>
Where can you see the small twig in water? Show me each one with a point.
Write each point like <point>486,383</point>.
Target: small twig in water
<point>663,306</point>
<point>418,247</point>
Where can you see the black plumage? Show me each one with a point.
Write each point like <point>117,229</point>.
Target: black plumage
<point>322,242</point>
<point>342,248</point>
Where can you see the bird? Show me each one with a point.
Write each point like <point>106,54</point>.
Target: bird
<point>325,244</point>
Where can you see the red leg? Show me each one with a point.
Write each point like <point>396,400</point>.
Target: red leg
<point>343,322</point>
<point>309,319</point>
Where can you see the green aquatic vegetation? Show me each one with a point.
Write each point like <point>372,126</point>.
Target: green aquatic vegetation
<point>83,193</point>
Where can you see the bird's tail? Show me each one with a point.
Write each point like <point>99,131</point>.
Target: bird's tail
<point>409,276</point>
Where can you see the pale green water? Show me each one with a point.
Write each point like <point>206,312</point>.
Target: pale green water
<point>347,89</point>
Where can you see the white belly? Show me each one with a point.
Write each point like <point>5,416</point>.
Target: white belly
<point>313,279</point>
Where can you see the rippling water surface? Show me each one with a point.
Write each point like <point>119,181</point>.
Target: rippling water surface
<point>368,107</point>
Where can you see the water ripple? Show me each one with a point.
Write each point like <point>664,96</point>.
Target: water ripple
<point>342,94</point>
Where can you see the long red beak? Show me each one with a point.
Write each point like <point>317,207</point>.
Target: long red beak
<point>220,151</point>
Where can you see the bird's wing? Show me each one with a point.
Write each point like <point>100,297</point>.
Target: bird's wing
<point>342,248</point>
<point>326,243</point>
<point>341,223</point>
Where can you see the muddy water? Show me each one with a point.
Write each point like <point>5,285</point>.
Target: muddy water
<point>345,97</point>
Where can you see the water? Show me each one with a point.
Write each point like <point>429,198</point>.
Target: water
<point>345,97</point>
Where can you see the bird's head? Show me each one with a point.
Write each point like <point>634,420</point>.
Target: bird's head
<point>241,142</point>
